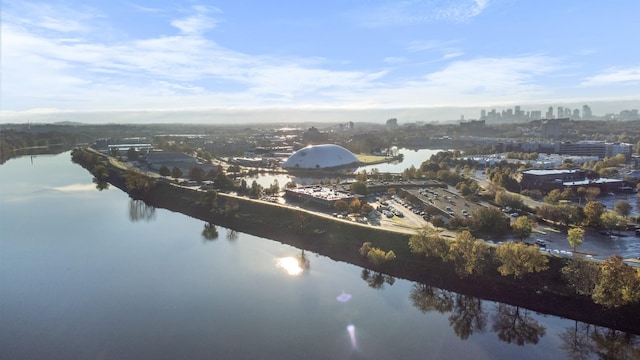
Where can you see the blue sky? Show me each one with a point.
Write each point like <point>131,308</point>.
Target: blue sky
<point>125,56</point>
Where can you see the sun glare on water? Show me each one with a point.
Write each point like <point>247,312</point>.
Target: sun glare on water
<point>290,265</point>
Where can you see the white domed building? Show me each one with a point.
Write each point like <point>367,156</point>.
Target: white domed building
<point>318,157</point>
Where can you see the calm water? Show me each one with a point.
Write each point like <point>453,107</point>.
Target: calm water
<point>89,274</point>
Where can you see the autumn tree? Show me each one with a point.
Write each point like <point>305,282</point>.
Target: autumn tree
<point>429,242</point>
<point>375,255</point>
<point>592,212</point>
<point>582,275</point>
<point>619,284</point>
<point>522,227</point>
<point>354,206</point>
<point>553,197</point>
<point>341,205</point>
<point>575,237</point>
<point>518,259</point>
<point>467,254</point>
<point>610,220</point>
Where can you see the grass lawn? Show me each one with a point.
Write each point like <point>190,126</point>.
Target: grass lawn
<point>371,159</point>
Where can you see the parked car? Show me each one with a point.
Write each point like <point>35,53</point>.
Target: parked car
<point>541,243</point>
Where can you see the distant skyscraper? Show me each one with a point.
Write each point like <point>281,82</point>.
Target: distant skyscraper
<point>549,114</point>
<point>586,112</point>
<point>560,112</point>
<point>576,114</point>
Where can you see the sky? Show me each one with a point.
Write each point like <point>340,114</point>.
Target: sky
<point>237,60</point>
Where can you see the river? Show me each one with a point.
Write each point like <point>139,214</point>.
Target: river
<point>88,274</point>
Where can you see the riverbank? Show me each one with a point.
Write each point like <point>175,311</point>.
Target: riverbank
<point>340,240</point>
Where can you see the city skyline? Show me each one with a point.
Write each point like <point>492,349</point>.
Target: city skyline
<point>228,61</point>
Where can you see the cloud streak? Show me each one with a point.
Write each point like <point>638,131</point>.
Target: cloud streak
<point>411,12</point>
<point>626,76</point>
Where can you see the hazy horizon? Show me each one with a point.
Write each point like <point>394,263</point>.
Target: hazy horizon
<point>250,61</point>
<point>265,116</point>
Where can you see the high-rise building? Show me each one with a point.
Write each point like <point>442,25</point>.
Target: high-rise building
<point>576,114</point>
<point>549,114</point>
<point>586,112</point>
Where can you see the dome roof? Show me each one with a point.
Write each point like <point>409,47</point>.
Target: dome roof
<point>320,157</point>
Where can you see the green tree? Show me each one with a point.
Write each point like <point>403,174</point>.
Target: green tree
<point>358,187</point>
<point>623,207</point>
<point>222,181</point>
<point>522,227</point>
<point>490,220</point>
<point>196,173</point>
<point>505,199</point>
<point>575,237</point>
<point>211,199</point>
<point>164,171</point>
<point>592,212</point>
<point>619,284</point>
<point>256,190</point>
<point>176,172</point>
<point>518,259</point>
<point>132,154</point>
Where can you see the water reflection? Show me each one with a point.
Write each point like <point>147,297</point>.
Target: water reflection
<point>101,184</point>
<point>467,316</point>
<point>232,235</point>
<point>377,279</point>
<point>576,341</point>
<point>513,324</point>
<point>428,298</point>
<point>614,344</point>
<point>210,232</point>
<point>140,211</point>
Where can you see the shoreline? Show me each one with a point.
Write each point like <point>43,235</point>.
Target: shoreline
<point>341,241</point>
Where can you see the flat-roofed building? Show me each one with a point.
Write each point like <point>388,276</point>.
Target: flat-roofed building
<point>549,179</point>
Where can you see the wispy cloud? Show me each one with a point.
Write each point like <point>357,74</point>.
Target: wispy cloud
<point>420,11</point>
<point>198,23</point>
<point>45,69</point>
<point>628,76</point>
